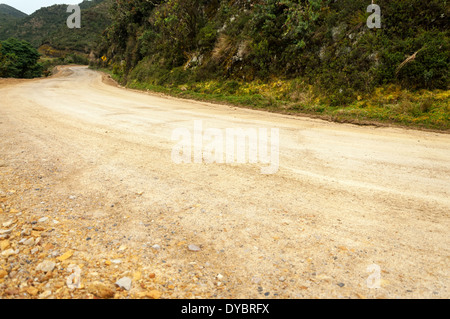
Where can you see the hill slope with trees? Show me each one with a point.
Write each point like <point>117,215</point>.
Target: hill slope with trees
<point>300,55</point>
<point>9,15</point>
<point>8,11</point>
<point>48,26</point>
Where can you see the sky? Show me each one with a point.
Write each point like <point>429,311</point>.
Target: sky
<point>29,6</point>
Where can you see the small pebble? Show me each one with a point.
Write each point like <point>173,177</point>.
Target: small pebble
<point>124,283</point>
<point>194,248</point>
<point>8,223</point>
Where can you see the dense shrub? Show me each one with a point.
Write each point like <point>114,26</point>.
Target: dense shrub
<point>324,42</point>
<point>18,59</point>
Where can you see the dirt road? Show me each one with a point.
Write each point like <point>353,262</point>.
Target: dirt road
<point>95,162</point>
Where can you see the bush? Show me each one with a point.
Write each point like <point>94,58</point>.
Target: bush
<point>207,36</point>
<point>325,43</point>
<point>18,59</point>
<point>429,68</point>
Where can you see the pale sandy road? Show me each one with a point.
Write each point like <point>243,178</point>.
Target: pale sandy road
<point>344,197</point>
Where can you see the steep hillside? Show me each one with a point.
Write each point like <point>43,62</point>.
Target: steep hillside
<point>258,39</point>
<point>8,15</point>
<point>48,26</point>
<point>10,11</point>
<point>298,56</point>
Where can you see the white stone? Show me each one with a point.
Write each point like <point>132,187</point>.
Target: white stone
<point>194,248</point>
<point>124,283</point>
<point>8,252</point>
<point>46,266</point>
<point>8,223</point>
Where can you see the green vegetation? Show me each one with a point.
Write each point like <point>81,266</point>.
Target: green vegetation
<point>9,14</point>
<point>48,26</point>
<point>18,59</point>
<point>314,56</point>
<point>388,104</point>
<point>47,31</point>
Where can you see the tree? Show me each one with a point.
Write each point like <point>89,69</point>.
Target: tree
<point>18,59</point>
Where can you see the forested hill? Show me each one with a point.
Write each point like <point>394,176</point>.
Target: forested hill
<point>8,15</point>
<point>48,26</point>
<point>6,10</point>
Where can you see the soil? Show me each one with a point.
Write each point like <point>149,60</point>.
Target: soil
<point>90,195</point>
